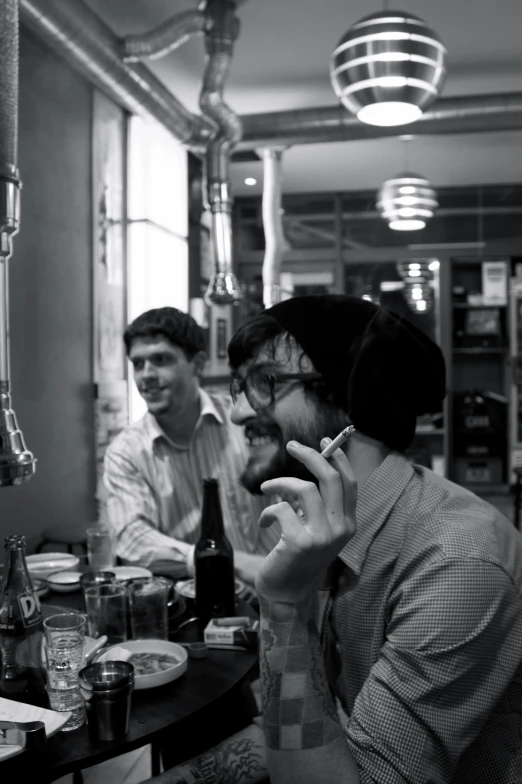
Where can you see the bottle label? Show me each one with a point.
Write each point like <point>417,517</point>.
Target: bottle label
<point>30,609</point>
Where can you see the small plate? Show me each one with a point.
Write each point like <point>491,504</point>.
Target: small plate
<point>151,646</point>
<point>17,711</point>
<point>187,588</point>
<point>124,573</point>
<point>44,564</point>
<point>64,582</point>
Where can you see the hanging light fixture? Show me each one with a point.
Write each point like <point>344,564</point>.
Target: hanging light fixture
<point>407,202</point>
<point>418,275</point>
<point>388,68</point>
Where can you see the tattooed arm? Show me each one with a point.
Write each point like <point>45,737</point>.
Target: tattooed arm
<point>303,737</point>
<point>237,760</point>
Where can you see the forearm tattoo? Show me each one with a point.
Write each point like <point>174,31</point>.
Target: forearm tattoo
<point>298,708</point>
<point>232,762</point>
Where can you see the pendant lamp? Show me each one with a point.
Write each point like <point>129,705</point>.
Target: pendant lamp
<point>388,68</point>
<point>407,202</point>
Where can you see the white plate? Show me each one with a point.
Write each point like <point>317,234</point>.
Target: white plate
<point>152,646</point>
<point>17,711</point>
<point>187,588</point>
<point>44,564</point>
<point>64,582</point>
<point>124,573</point>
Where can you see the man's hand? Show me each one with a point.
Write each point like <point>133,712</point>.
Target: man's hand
<point>309,543</point>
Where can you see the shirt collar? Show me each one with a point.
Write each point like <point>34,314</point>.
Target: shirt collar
<point>375,502</point>
<point>208,408</point>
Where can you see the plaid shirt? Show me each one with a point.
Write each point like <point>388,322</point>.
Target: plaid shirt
<point>155,487</point>
<point>422,630</point>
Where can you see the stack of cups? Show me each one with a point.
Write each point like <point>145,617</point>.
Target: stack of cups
<point>106,688</point>
<point>64,645</point>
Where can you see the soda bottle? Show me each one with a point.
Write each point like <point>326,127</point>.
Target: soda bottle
<point>22,677</point>
<point>213,561</point>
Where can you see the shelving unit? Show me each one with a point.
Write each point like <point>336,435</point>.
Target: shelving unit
<point>478,454</point>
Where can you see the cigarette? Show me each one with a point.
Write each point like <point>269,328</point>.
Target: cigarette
<point>343,436</point>
<point>235,621</point>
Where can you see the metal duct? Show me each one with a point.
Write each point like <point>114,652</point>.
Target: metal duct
<point>165,38</point>
<point>473,114</point>
<point>73,31</point>
<point>17,464</point>
<point>272,225</point>
<point>223,29</point>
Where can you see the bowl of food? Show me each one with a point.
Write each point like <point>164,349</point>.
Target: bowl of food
<point>64,582</point>
<point>155,662</point>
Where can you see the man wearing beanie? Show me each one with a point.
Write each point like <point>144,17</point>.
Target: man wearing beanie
<point>391,607</point>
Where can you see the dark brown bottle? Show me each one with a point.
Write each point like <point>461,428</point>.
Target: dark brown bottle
<point>213,561</point>
<point>22,677</point>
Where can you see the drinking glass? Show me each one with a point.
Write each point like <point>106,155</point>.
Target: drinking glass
<point>64,642</point>
<point>100,548</point>
<point>96,578</point>
<point>148,608</point>
<point>107,612</point>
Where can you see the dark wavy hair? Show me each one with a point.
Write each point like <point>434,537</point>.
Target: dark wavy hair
<point>172,324</point>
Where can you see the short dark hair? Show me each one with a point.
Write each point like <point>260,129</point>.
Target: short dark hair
<point>172,324</point>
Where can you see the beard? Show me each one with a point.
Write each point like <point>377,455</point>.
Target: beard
<point>325,420</point>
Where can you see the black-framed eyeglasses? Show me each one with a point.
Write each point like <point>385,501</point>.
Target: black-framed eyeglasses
<point>259,386</point>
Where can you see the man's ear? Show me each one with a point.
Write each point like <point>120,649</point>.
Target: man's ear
<point>199,360</point>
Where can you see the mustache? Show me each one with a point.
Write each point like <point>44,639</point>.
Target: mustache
<point>260,429</point>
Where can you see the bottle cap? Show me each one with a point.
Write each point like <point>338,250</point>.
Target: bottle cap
<point>15,541</point>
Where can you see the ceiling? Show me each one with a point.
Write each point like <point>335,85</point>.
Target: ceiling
<point>281,62</point>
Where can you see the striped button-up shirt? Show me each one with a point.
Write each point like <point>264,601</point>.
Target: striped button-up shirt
<point>423,633</point>
<point>155,487</point>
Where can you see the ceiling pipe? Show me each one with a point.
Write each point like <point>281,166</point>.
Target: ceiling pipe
<point>17,463</point>
<point>272,224</point>
<point>76,33</point>
<point>222,31</point>
<point>165,38</point>
<point>460,114</point>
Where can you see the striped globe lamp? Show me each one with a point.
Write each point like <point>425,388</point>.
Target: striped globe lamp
<point>388,68</point>
<point>407,202</point>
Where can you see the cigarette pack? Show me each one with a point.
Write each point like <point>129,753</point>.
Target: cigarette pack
<point>232,636</point>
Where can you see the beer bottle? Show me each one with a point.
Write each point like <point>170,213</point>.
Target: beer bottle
<point>22,677</point>
<point>213,561</point>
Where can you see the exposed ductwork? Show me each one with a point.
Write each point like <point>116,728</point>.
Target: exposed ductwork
<point>222,31</point>
<point>165,38</point>
<point>17,464</point>
<point>272,224</point>
<point>76,33</point>
<point>474,114</point>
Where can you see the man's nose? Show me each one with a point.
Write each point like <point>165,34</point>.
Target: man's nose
<point>149,371</point>
<point>241,410</point>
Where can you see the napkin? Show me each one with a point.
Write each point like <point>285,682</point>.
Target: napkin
<point>115,654</point>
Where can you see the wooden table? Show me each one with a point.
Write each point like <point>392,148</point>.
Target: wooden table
<point>171,710</point>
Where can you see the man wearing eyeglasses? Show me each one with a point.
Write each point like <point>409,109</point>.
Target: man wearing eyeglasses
<point>391,607</point>
<point>154,469</point>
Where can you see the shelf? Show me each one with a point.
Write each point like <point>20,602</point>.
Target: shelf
<point>426,430</point>
<point>480,350</point>
<point>467,306</point>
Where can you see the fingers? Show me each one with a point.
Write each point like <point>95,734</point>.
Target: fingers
<point>341,463</point>
<point>330,484</point>
<point>306,493</point>
<point>291,527</point>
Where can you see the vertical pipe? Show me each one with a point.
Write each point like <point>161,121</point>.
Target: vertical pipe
<point>272,224</point>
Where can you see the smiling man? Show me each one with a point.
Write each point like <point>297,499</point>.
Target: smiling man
<point>154,469</point>
<point>391,606</point>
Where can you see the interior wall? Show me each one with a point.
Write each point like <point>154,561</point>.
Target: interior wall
<point>51,298</point>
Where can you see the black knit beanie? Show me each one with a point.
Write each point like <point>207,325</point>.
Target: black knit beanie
<point>381,369</point>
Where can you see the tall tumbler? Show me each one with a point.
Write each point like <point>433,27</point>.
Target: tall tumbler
<point>106,607</point>
<point>106,688</point>
<point>148,608</point>
<point>100,548</point>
